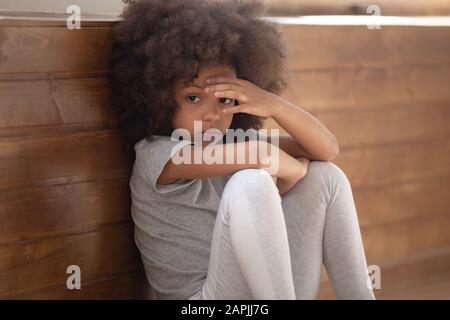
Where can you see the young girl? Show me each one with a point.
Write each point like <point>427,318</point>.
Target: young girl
<point>232,230</point>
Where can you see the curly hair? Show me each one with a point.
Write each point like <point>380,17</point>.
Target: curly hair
<point>159,41</point>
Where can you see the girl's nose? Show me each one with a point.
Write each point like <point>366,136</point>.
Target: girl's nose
<point>214,112</point>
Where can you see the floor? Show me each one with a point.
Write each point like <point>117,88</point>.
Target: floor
<point>431,291</point>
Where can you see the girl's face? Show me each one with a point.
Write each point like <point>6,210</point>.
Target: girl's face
<point>194,104</point>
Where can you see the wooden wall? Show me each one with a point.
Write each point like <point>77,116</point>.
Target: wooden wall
<point>385,95</point>
<point>64,196</point>
<point>332,7</point>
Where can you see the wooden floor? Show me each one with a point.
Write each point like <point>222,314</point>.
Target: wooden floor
<point>435,291</point>
<point>425,288</point>
<point>432,291</point>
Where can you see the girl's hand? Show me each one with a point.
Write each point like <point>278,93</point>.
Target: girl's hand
<point>252,99</point>
<point>304,161</point>
<point>284,185</point>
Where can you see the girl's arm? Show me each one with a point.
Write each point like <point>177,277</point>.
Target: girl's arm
<point>308,136</point>
<point>284,185</point>
<point>289,170</point>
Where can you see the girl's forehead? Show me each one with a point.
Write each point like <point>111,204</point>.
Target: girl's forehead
<point>200,80</point>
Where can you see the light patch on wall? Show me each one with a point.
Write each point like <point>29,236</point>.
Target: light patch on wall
<point>98,7</point>
<point>361,20</point>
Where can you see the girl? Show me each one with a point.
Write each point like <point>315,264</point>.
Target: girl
<point>231,230</point>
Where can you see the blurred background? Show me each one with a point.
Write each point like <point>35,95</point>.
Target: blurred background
<point>275,7</point>
<point>382,89</point>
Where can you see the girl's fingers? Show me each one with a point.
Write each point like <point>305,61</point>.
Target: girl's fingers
<point>232,94</point>
<point>223,86</point>
<point>231,110</point>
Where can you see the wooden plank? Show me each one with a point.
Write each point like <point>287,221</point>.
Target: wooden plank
<point>433,291</point>
<point>54,76</point>
<point>377,125</point>
<point>401,276</point>
<point>51,49</point>
<point>55,101</point>
<point>43,131</point>
<point>345,89</point>
<point>54,49</point>
<point>397,241</point>
<point>389,125</point>
<point>32,213</point>
<point>121,287</point>
<point>30,266</point>
<point>321,47</point>
<point>400,202</point>
<point>24,161</point>
<point>389,164</point>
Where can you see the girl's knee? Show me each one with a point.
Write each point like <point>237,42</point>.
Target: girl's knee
<point>252,179</point>
<point>327,170</point>
<point>248,186</point>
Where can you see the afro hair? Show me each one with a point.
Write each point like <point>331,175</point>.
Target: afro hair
<point>158,42</point>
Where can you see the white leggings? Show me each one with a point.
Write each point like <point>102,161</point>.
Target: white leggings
<point>269,247</point>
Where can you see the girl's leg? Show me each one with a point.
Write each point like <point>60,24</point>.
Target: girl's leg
<point>323,226</point>
<point>249,256</point>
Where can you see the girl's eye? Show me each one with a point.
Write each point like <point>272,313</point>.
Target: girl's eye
<point>189,98</point>
<point>225,99</point>
<point>194,99</point>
